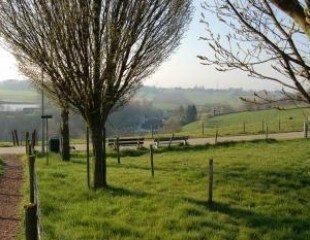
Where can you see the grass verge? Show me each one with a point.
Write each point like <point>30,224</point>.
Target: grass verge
<point>261,191</point>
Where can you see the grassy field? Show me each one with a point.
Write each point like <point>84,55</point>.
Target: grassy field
<point>255,122</point>
<point>25,96</point>
<point>261,191</point>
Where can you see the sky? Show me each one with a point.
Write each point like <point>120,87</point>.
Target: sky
<point>182,69</point>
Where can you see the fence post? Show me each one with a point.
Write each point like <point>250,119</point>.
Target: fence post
<point>216,136</point>
<point>27,142</point>
<point>13,138</point>
<point>32,159</point>
<point>117,149</point>
<point>203,129</point>
<point>16,137</point>
<point>31,229</point>
<point>267,132</point>
<point>243,127</point>
<point>263,125</point>
<point>34,138</point>
<point>210,200</point>
<point>152,159</point>
<point>306,129</point>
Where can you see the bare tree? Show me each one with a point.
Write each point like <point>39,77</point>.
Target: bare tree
<point>96,52</point>
<point>269,33</point>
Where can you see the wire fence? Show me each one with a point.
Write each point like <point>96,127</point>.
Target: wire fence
<point>33,227</point>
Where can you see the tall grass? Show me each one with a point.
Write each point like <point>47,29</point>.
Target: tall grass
<point>254,122</point>
<point>261,191</point>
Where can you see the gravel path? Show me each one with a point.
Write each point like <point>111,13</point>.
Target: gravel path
<point>10,197</point>
<point>191,141</point>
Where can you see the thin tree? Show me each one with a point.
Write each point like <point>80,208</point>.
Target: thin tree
<point>96,52</point>
<point>273,34</point>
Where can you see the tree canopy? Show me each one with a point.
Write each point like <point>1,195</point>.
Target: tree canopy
<point>95,53</point>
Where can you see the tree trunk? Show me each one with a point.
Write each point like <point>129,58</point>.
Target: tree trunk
<point>98,138</point>
<point>65,136</point>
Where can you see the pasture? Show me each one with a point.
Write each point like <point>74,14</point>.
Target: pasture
<point>261,191</point>
<point>250,122</point>
<point>23,96</point>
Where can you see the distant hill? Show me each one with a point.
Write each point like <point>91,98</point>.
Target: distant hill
<point>225,100</point>
<point>17,91</point>
<point>171,98</point>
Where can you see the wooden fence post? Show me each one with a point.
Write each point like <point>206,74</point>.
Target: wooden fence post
<point>13,138</point>
<point>216,136</point>
<point>30,149</point>
<point>243,127</point>
<point>117,149</point>
<point>306,129</point>
<point>267,131</point>
<point>31,229</point>
<point>27,142</point>
<point>16,137</point>
<point>152,159</point>
<point>32,159</point>
<point>34,138</point>
<point>203,128</point>
<point>210,200</point>
<point>263,125</point>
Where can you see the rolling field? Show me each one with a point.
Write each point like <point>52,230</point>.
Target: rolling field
<point>261,191</point>
<point>255,122</point>
<point>25,96</point>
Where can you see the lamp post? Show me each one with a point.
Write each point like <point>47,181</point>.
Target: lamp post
<point>42,114</point>
<point>45,123</point>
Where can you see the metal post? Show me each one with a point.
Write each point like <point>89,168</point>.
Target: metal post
<point>87,157</point>
<point>47,148</point>
<point>42,108</point>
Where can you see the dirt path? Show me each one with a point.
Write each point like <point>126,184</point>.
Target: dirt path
<point>10,197</point>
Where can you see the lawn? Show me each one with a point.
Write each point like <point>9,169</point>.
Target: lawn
<point>261,191</point>
<point>253,122</point>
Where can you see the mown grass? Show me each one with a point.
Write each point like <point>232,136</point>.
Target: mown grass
<point>255,122</point>
<point>261,191</point>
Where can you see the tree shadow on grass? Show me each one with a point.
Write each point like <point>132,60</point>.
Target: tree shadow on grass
<point>120,191</point>
<point>256,220</point>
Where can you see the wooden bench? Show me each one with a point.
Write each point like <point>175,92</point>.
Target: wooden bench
<point>113,142</point>
<point>170,140</point>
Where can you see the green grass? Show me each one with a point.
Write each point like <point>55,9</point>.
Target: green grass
<point>255,123</point>
<point>261,191</point>
<point>25,96</point>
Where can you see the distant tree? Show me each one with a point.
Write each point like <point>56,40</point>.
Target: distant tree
<point>191,114</point>
<point>95,52</point>
<point>172,125</point>
<point>272,33</point>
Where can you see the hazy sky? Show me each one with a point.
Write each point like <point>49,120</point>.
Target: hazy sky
<point>182,69</point>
